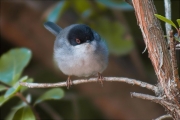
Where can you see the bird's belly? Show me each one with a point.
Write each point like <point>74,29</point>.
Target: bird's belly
<point>79,66</point>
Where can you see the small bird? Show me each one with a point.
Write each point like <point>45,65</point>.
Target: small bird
<point>79,51</point>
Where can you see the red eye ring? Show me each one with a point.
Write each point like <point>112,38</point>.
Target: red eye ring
<point>78,41</point>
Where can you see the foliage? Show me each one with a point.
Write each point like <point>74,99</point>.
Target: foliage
<point>164,19</point>
<point>12,65</point>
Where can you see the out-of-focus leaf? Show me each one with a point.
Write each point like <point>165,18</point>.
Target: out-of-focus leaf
<point>2,88</point>
<point>3,99</point>
<point>178,21</point>
<point>10,115</point>
<point>24,113</point>
<point>12,64</point>
<point>116,5</point>
<point>11,91</point>
<point>86,13</point>
<point>165,20</point>
<point>14,110</point>
<point>113,33</point>
<point>55,93</point>
<point>101,6</point>
<point>81,5</point>
<point>20,105</point>
<point>57,11</point>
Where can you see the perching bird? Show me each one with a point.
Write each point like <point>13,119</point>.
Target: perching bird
<point>78,51</point>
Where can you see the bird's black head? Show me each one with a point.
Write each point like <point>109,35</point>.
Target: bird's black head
<point>80,34</point>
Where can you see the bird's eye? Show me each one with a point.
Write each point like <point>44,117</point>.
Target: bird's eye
<point>78,41</point>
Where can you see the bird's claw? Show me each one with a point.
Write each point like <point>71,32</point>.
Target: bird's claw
<point>100,79</point>
<point>68,82</point>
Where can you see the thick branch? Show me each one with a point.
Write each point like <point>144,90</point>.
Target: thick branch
<point>156,44</point>
<point>158,54</point>
<point>75,82</point>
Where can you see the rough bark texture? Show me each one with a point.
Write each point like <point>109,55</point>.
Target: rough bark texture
<point>159,55</point>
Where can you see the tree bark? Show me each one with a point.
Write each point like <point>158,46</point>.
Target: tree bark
<point>159,55</point>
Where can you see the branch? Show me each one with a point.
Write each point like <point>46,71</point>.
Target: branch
<point>24,99</point>
<point>146,97</point>
<point>163,117</point>
<point>155,42</point>
<point>159,55</point>
<point>160,100</point>
<point>178,47</point>
<point>173,60</point>
<point>75,82</point>
<point>167,6</point>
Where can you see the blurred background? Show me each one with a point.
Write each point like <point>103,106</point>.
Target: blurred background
<point>21,25</point>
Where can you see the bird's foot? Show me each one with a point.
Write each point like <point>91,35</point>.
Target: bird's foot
<point>68,82</point>
<point>100,79</point>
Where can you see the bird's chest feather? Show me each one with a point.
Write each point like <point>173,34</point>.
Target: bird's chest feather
<point>80,61</point>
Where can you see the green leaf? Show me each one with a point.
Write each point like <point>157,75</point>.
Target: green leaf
<point>178,21</point>
<point>3,99</point>
<point>24,113</point>
<point>14,110</point>
<point>113,33</point>
<point>87,13</point>
<point>57,11</point>
<point>11,91</point>
<point>10,115</point>
<point>165,20</point>
<point>81,5</point>
<point>2,88</point>
<point>12,64</point>
<point>55,93</point>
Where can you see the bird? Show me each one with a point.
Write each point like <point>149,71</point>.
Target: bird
<point>79,51</point>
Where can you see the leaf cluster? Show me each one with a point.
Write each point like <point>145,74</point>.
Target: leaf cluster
<point>12,65</point>
<point>164,19</point>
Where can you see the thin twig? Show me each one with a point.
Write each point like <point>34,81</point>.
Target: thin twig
<point>167,6</point>
<point>146,97</point>
<point>178,47</point>
<point>163,117</point>
<point>75,82</point>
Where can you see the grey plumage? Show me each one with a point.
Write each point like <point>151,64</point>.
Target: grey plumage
<point>85,59</point>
